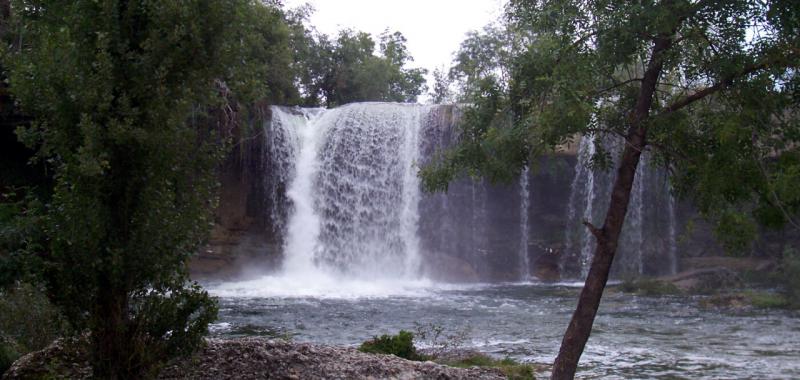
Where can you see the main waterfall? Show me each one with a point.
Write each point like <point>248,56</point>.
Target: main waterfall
<point>343,193</point>
<point>355,191</point>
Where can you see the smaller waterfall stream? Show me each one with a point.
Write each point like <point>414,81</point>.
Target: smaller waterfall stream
<point>648,236</point>
<point>524,228</point>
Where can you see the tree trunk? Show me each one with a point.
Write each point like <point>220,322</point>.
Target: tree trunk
<point>111,356</point>
<point>580,327</point>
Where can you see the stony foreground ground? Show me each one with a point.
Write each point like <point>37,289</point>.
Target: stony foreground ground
<point>258,358</point>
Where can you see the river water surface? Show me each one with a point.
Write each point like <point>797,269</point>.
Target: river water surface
<point>666,337</point>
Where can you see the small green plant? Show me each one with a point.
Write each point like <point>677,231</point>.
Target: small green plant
<point>513,369</point>
<point>401,345</point>
<point>767,300</point>
<point>791,276</point>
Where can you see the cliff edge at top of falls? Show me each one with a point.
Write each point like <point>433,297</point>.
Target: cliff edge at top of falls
<point>256,358</point>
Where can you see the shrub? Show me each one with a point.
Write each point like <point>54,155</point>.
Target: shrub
<point>401,345</point>
<point>28,318</point>
<point>510,367</point>
<point>28,322</point>
<point>791,276</point>
<point>8,354</point>
<point>766,300</point>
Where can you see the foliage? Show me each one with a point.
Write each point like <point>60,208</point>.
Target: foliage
<point>28,318</point>
<point>767,300</point>
<point>401,345</point>
<point>21,237</point>
<point>333,71</point>
<point>122,93</point>
<point>438,342</point>
<point>510,367</point>
<point>28,322</point>
<point>750,298</point>
<point>790,270</point>
<point>441,92</point>
<point>708,88</point>
<point>9,353</point>
<point>725,104</point>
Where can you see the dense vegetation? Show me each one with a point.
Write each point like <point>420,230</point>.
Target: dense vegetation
<point>125,109</point>
<point>708,88</point>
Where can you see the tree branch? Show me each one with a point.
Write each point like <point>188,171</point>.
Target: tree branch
<point>618,85</point>
<point>597,232</point>
<point>721,85</point>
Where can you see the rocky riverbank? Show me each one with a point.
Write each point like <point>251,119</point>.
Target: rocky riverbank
<point>256,358</point>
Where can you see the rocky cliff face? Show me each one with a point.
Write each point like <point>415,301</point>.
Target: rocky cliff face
<point>241,239</point>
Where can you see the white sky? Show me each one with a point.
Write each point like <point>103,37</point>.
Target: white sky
<point>434,28</point>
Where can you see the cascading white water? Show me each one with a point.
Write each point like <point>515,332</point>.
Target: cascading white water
<point>367,191</point>
<point>582,197</point>
<point>524,228</point>
<point>644,222</point>
<point>634,221</point>
<point>353,195</point>
<point>281,145</point>
<point>304,223</point>
<point>673,238</point>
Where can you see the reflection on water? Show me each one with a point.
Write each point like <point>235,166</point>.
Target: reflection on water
<point>634,337</point>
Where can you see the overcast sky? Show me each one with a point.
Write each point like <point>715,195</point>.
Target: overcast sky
<point>434,28</point>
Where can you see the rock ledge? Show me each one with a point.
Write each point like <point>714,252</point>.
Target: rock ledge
<point>260,358</point>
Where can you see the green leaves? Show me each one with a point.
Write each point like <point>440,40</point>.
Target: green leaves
<point>349,69</point>
<point>126,98</point>
<point>576,68</point>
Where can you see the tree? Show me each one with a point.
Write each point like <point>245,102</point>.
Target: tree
<point>441,92</point>
<point>132,106</point>
<point>708,87</point>
<point>348,69</point>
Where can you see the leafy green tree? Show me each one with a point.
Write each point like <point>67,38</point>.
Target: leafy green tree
<point>132,103</point>
<point>483,56</point>
<point>708,87</point>
<point>351,68</point>
<point>441,92</point>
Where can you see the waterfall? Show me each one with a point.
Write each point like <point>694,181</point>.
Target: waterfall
<point>355,192</point>
<point>342,200</point>
<point>281,145</point>
<point>524,228</point>
<point>646,223</point>
<point>673,239</point>
<point>634,222</point>
<point>579,244</point>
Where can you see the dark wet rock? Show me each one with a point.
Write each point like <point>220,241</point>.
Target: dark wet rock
<point>256,358</point>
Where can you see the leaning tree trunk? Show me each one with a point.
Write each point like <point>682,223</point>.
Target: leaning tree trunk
<point>580,327</point>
